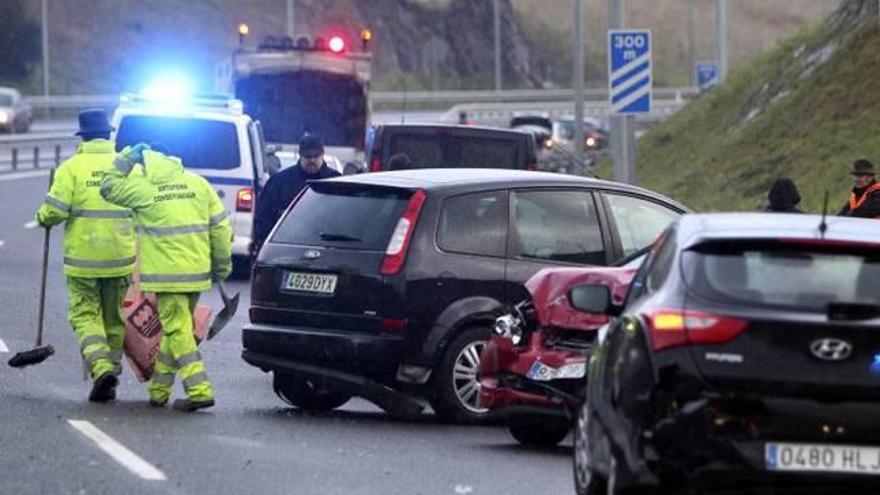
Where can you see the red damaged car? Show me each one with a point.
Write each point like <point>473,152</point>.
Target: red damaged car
<point>533,369</point>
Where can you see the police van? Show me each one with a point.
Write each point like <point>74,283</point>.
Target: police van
<point>214,138</point>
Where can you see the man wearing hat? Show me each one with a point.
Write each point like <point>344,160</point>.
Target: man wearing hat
<point>864,200</point>
<point>99,251</point>
<point>283,187</point>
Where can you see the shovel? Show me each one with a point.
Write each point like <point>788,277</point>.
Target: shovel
<point>230,306</point>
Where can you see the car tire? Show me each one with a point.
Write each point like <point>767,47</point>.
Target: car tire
<point>453,391</point>
<point>301,393</point>
<point>586,480</point>
<point>538,431</point>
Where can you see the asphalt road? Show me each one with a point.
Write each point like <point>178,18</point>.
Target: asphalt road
<point>250,442</point>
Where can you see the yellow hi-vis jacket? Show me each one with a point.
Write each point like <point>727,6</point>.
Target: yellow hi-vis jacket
<point>98,236</point>
<point>185,234</point>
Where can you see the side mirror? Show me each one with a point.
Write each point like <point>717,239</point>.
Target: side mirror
<point>594,298</point>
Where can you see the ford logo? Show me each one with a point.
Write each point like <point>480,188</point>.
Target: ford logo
<point>831,349</point>
<point>312,254</point>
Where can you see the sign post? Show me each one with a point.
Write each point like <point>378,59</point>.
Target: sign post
<point>630,91</point>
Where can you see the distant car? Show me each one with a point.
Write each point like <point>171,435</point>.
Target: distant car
<point>747,354</point>
<point>15,113</point>
<point>451,146</point>
<point>387,285</point>
<point>538,125</point>
<point>595,133</point>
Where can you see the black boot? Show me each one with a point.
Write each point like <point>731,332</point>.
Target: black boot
<point>104,388</point>
<point>187,405</point>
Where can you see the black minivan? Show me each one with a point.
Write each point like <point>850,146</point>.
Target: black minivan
<point>387,285</point>
<point>451,146</point>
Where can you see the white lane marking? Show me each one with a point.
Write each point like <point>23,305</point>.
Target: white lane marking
<point>118,451</point>
<point>3,347</point>
<point>22,175</point>
<point>31,225</point>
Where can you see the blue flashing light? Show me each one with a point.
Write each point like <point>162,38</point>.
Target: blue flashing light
<point>875,366</point>
<point>171,88</point>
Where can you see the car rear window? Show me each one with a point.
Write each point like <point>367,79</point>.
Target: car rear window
<point>806,277</point>
<point>449,151</point>
<point>199,143</point>
<point>345,217</point>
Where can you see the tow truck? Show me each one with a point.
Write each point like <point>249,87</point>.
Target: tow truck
<point>319,87</point>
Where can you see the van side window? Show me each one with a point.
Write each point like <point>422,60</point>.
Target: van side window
<point>559,226</point>
<point>474,224</point>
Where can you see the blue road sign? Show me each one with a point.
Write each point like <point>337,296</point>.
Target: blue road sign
<point>629,71</point>
<point>707,74</point>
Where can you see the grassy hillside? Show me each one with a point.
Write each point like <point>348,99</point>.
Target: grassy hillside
<point>806,109</point>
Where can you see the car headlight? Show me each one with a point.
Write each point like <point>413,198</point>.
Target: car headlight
<point>4,117</point>
<point>509,327</point>
<point>592,142</point>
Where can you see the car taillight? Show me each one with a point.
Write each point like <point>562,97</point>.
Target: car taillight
<point>244,199</point>
<point>376,164</point>
<point>395,254</point>
<point>673,328</point>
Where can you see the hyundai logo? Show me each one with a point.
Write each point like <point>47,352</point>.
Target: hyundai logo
<point>831,349</point>
<point>312,254</point>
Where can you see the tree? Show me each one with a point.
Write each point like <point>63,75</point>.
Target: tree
<point>19,40</point>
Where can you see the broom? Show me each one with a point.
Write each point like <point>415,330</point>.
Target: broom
<point>40,352</point>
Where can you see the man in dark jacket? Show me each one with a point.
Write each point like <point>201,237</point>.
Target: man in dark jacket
<point>783,196</point>
<point>283,187</point>
<point>864,200</point>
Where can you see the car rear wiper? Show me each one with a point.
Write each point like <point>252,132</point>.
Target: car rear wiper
<point>852,311</point>
<point>338,237</point>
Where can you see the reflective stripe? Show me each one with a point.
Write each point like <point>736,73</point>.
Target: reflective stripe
<point>163,378</point>
<point>194,380</point>
<point>187,277</point>
<point>117,370</point>
<point>98,263</point>
<point>100,213</point>
<point>188,359</point>
<point>167,360</point>
<point>57,203</point>
<point>183,229</point>
<point>216,219</point>
<point>92,340</point>
<point>96,355</point>
<point>116,356</point>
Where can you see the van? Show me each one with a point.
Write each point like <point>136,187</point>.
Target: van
<point>451,146</point>
<point>215,139</point>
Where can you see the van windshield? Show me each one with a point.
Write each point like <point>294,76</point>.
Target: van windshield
<point>199,143</point>
<point>346,217</point>
<point>447,151</point>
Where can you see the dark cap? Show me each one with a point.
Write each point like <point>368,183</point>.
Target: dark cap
<point>862,167</point>
<point>310,144</point>
<point>94,121</point>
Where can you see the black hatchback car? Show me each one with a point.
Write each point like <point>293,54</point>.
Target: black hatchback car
<point>749,346</point>
<point>387,285</point>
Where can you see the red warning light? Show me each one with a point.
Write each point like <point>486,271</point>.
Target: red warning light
<point>336,44</point>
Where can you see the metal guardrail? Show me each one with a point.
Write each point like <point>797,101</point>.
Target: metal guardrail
<point>35,151</point>
<point>394,98</point>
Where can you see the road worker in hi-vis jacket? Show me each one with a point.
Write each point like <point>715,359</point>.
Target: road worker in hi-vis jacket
<point>99,251</point>
<point>185,243</point>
